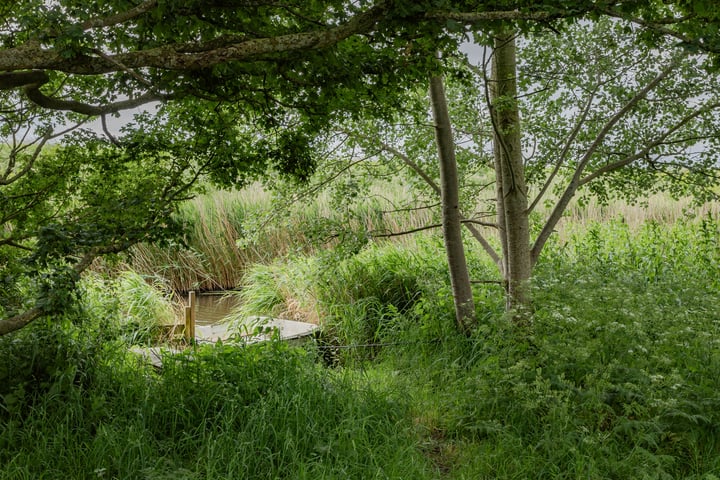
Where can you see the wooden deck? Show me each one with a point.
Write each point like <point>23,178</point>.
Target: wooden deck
<point>287,330</point>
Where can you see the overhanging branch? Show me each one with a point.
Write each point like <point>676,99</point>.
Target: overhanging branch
<point>16,322</point>
<point>172,57</point>
<point>36,96</point>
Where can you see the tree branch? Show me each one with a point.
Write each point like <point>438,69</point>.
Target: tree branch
<point>646,150</point>
<point>566,148</point>
<point>121,17</point>
<point>413,166</point>
<point>171,57</point>
<point>406,232</point>
<point>574,184</point>
<point>12,80</point>
<point>6,179</point>
<point>661,26</point>
<point>16,322</point>
<point>479,237</point>
<point>478,17</point>
<point>36,96</point>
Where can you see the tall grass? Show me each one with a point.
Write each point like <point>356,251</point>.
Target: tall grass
<point>616,377</point>
<point>264,411</point>
<point>357,299</point>
<point>659,208</point>
<point>141,307</point>
<point>227,231</point>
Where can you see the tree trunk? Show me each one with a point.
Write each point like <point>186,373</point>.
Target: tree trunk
<point>450,198</point>
<point>510,174</point>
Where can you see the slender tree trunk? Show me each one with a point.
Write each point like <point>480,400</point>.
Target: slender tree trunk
<point>450,198</point>
<point>512,190</point>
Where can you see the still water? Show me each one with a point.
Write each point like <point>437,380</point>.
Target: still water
<point>213,307</point>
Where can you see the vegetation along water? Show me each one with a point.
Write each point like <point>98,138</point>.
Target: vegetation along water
<point>503,216</point>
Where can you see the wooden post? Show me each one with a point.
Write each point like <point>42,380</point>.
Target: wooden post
<point>188,325</point>
<point>190,318</point>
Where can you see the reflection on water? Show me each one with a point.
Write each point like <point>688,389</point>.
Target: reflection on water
<point>212,307</point>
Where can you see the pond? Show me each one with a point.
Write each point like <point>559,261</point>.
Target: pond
<point>213,307</point>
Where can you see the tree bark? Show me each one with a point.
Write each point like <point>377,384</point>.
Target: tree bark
<point>509,167</point>
<point>451,217</point>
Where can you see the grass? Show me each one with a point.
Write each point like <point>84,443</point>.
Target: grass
<point>228,231</point>
<point>616,377</point>
<point>260,412</point>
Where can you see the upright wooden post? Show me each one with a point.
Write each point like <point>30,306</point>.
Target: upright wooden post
<point>190,318</point>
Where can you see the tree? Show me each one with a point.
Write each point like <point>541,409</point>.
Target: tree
<point>512,191</point>
<point>608,113</point>
<point>242,88</point>
<point>450,201</point>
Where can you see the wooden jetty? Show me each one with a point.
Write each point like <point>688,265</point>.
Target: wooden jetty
<point>254,329</point>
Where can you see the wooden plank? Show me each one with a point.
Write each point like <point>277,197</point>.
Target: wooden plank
<point>287,330</point>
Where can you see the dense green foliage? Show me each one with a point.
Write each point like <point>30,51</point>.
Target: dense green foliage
<point>82,408</point>
<point>615,378</point>
<point>611,374</point>
<point>241,89</point>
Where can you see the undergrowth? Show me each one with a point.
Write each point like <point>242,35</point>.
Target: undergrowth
<point>616,377</point>
<point>264,411</point>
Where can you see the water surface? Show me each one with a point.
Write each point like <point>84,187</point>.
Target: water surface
<point>213,307</point>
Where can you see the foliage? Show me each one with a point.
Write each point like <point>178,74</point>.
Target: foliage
<point>667,142</point>
<point>356,299</point>
<point>247,88</point>
<point>263,411</point>
<point>614,378</point>
<point>85,198</point>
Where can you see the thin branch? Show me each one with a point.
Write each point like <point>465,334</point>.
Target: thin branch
<point>406,232</point>
<point>646,150</point>
<point>409,209</point>
<point>485,244</point>
<point>574,184</point>
<point>31,161</point>
<point>566,149</point>
<point>479,222</point>
<point>13,242</point>
<point>105,129</point>
<point>413,166</point>
<point>660,26</point>
<point>121,17</point>
<point>127,69</point>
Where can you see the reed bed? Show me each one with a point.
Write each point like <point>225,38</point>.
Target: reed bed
<point>659,208</point>
<point>228,231</point>
<point>225,231</point>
